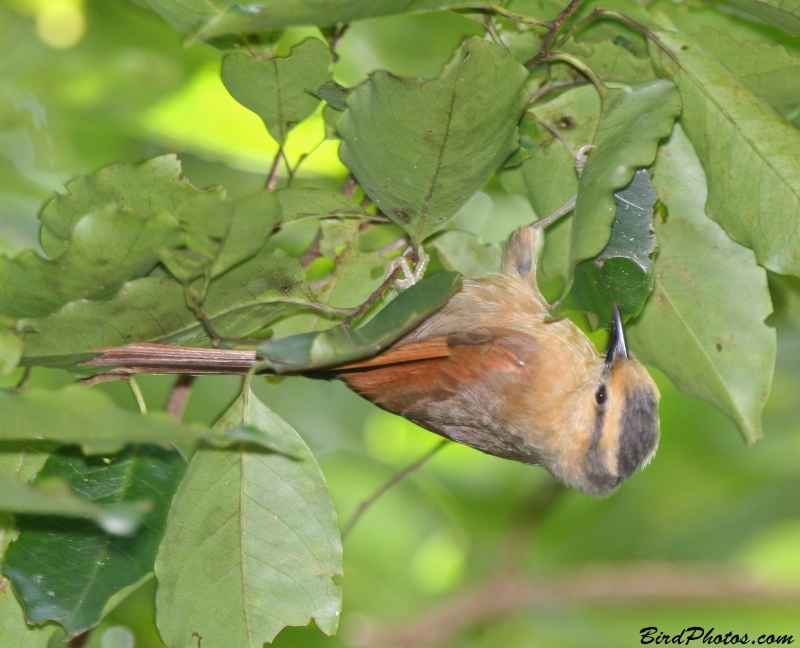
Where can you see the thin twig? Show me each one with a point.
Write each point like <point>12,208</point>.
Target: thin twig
<point>367,503</point>
<point>553,28</point>
<point>337,36</point>
<point>541,92</point>
<point>179,396</point>
<point>272,178</point>
<point>489,23</point>
<point>594,585</point>
<point>554,132</point>
<point>350,186</point>
<point>137,394</point>
<point>379,292</point>
<point>565,209</point>
<point>584,69</point>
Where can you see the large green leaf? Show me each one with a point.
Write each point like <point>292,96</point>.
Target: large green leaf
<point>704,324</point>
<point>214,18</point>
<point>622,273</point>
<point>85,417</point>
<point>632,122</point>
<point>784,14</point>
<point>143,189</point>
<point>768,70</point>
<point>252,543</point>
<point>342,344</point>
<point>153,309</point>
<point>57,498</point>
<point>420,149</point>
<point>67,571</point>
<point>751,156</point>
<point>106,248</point>
<point>277,89</point>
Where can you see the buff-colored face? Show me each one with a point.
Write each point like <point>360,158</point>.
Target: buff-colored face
<point>616,428</point>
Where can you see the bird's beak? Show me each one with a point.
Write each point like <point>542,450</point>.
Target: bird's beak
<point>616,343</point>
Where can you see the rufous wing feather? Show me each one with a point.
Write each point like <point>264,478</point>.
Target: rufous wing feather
<point>430,381</point>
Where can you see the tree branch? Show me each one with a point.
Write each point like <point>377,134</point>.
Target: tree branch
<point>596,585</point>
<point>179,396</point>
<point>367,503</point>
<point>272,178</point>
<point>554,27</point>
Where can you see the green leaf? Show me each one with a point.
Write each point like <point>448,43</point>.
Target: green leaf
<point>142,189</point>
<point>622,273</point>
<point>55,497</point>
<point>632,122</point>
<point>610,61</point>
<point>82,416</point>
<point>210,19</point>
<point>333,94</point>
<point>550,176</point>
<point>464,253</point>
<point>10,351</point>
<point>704,324</point>
<point>278,89</point>
<point>768,70</point>
<point>219,234</point>
<point>751,156</point>
<point>154,309</point>
<point>252,543</point>
<point>530,139</point>
<point>341,344</point>
<point>421,149</point>
<point>310,202</point>
<point>783,14</point>
<point>106,248</point>
<point>67,571</point>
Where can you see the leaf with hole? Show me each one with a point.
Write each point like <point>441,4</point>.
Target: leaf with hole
<point>704,324</point>
<point>622,273</point>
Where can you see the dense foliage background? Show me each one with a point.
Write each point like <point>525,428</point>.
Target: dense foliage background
<point>470,550</point>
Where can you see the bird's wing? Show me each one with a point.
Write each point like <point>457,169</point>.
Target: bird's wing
<point>410,379</point>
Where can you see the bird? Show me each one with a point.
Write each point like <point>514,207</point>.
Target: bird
<point>492,371</point>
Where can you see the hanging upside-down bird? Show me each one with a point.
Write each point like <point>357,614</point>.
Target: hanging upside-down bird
<point>490,371</point>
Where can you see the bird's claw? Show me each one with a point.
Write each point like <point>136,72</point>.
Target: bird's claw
<point>580,157</point>
<point>410,277</point>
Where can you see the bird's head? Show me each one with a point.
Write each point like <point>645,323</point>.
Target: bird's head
<point>614,422</point>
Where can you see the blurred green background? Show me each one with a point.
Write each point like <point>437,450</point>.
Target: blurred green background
<point>87,83</point>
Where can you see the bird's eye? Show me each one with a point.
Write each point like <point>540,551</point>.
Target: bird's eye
<point>601,396</point>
